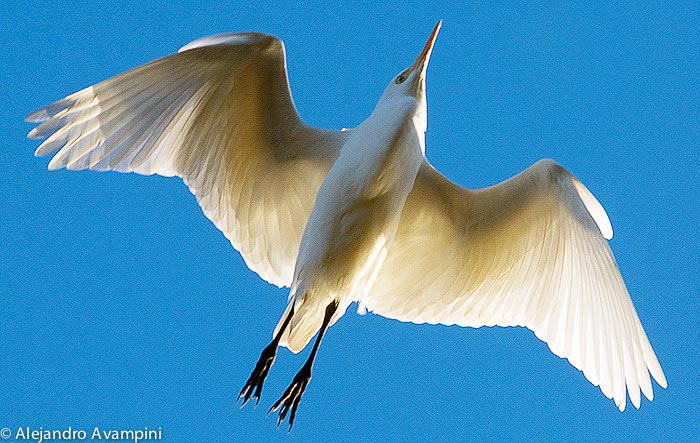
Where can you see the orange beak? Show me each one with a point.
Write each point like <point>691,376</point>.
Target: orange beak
<point>422,60</point>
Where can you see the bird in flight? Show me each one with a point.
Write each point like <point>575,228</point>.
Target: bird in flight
<point>360,215</point>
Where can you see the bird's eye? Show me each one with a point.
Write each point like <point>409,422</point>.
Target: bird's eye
<point>400,79</point>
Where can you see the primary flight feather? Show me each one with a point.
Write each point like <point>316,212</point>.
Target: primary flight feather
<point>360,215</point>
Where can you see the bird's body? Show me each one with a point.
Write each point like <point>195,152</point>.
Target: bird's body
<point>356,214</point>
<point>360,215</point>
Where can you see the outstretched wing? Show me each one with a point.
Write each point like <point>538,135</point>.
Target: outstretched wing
<point>219,114</point>
<point>531,252</point>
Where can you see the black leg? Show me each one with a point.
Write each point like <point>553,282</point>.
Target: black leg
<point>267,357</point>
<point>292,396</point>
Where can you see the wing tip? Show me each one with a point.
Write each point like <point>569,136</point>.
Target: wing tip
<point>225,39</point>
<point>662,382</point>
<point>594,208</point>
<point>38,116</point>
<point>621,405</point>
<point>34,134</point>
<point>55,164</point>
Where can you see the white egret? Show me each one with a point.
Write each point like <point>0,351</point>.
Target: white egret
<point>360,215</point>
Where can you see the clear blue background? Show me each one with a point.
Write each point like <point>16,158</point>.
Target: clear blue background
<point>123,307</point>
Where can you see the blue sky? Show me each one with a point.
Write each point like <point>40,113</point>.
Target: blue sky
<point>123,307</point>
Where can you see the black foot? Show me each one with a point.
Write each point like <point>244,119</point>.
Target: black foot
<point>292,396</point>
<point>257,377</point>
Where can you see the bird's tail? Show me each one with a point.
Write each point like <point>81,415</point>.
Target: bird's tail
<point>306,321</point>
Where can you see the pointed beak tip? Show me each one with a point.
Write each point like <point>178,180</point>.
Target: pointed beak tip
<point>436,30</point>
<point>424,56</point>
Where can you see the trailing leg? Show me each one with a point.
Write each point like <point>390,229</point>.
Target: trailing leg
<point>292,396</point>
<point>267,357</point>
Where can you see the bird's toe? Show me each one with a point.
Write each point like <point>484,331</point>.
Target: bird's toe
<point>253,387</point>
<point>289,402</point>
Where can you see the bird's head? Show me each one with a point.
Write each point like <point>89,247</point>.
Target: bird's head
<point>411,81</point>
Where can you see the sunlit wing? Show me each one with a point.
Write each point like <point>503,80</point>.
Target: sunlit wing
<point>531,252</point>
<point>219,114</point>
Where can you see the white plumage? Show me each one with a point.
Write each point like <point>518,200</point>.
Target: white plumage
<point>526,252</point>
<point>385,230</point>
<point>220,117</point>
